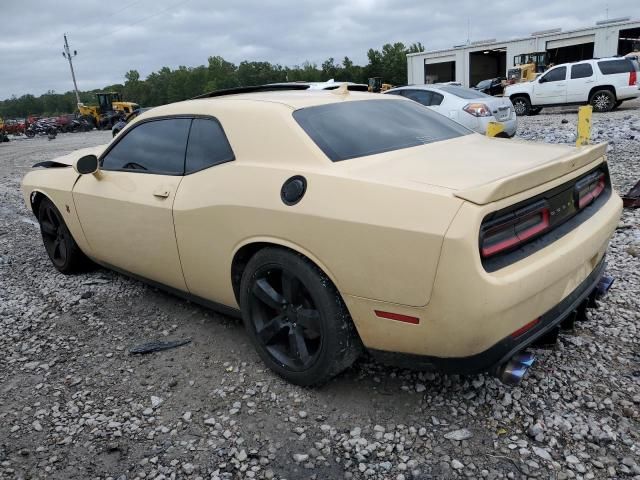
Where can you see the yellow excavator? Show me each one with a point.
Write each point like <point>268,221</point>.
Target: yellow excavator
<point>527,67</point>
<point>110,110</point>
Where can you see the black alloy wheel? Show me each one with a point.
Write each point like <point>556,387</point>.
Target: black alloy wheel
<point>62,249</point>
<point>295,318</point>
<point>285,318</point>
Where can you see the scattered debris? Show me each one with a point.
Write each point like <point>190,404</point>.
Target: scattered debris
<point>632,198</point>
<point>157,346</point>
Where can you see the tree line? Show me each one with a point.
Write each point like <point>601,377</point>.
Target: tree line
<point>167,85</point>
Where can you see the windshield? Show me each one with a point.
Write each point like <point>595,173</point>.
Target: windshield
<point>462,92</point>
<point>367,127</point>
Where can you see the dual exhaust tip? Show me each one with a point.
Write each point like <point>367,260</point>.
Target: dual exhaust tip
<point>513,371</point>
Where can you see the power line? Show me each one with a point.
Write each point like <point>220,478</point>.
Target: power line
<point>129,24</point>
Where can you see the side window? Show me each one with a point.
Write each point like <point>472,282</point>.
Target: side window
<point>208,145</point>
<point>420,96</point>
<point>436,99</point>
<point>157,147</point>
<point>582,70</point>
<point>555,75</point>
<point>611,67</point>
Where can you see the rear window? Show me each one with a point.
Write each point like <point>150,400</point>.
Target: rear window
<point>367,127</point>
<point>611,67</point>
<point>462,92</point>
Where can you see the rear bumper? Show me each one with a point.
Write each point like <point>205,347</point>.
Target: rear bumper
<point>570,307</point>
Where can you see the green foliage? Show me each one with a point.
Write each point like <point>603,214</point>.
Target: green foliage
<point>167,85</point>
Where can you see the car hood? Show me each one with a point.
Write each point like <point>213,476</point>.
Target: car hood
<point>475,168</point>
<point>69,158</point>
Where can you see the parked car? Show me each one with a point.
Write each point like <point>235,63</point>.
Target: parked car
<point>332,222</point>
<point>604,83</point>
<point>491,86</point>
<point>469,107</point>
<point>117,128</point>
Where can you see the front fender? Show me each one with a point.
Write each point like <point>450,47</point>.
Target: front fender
<point>56,184</point>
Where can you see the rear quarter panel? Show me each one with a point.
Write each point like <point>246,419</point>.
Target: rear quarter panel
<point>374,241</point>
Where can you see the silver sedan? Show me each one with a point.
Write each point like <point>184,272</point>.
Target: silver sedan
<point>469,107</point>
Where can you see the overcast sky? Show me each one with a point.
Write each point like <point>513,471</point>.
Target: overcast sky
<point>114,37</point>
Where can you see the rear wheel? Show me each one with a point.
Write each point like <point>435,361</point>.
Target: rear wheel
<point>521,105</point>
<point>295,318</point>
<point>62,249</point>
<point>603,101</point>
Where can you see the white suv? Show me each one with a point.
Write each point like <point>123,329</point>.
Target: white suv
<point>604,83</point>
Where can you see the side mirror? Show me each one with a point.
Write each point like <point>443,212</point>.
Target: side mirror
<point>85,165</point>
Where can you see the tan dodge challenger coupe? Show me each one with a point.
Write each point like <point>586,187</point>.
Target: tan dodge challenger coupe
<point>338,221</point>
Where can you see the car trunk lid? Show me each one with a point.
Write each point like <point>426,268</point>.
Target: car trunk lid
<point>475,168</point>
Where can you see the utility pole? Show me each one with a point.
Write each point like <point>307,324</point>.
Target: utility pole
<point>67,54</point>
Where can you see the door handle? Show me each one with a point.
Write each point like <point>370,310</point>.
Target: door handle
<point>161,192</point>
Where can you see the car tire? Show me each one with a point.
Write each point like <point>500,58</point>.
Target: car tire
<point>296,318</point>
<point>62,249</point>
<point>602,101</point>
<point>521,105</point>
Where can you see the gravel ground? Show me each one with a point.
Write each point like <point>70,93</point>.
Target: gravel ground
<point>75,405</point>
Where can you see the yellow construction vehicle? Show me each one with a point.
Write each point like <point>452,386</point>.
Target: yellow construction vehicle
<point>527,67</point>
<point>377,86</point>
<point>110,109</point>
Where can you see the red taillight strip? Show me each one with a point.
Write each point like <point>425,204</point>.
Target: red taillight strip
<point>397,316</point>
<point>503,245</point>
<point>593,194</point>
<point>633,78</point>
<point>536,229</point>
<point>525,328</point>
<point>518,237</point>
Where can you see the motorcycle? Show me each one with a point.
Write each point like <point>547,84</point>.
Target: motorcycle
<point>44,126</point>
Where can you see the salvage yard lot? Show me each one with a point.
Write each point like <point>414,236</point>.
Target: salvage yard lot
<point>75,405</point>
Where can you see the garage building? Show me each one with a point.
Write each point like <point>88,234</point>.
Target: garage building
<point>475,61</point>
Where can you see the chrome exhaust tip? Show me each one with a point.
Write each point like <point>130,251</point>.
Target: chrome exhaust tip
<point>604,285</point>
<point>514,370</point>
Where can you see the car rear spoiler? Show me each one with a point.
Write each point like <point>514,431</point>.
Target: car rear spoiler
<point>520,182</point>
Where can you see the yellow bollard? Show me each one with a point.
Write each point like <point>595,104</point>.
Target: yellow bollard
<point>584,125</point>
<point>494,128</point>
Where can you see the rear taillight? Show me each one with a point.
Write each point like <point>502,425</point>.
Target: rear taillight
<point>478,109</point>
<point>633,78</point>
<point>508,231</point>
<point>589,188</point>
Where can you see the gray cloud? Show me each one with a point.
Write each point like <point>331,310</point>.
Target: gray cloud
<point>112,38</point>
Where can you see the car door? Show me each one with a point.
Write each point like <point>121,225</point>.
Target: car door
<point>551,88</point>
<point>126,208</point>
<point>581,80</point>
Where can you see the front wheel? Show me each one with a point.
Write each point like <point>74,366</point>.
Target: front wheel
<point>296,318</point>
<point>521,105</point>
<point>602,101</point>
<point>62,249</point>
